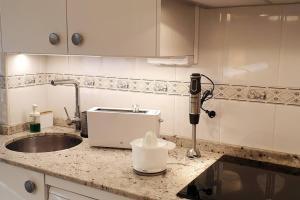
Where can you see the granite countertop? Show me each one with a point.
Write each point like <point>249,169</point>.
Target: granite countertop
<point>109,169</point>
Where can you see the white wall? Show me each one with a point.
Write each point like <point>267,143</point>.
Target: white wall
<point>3,91</point>
<point>20,99</point>
<point>253,46</point>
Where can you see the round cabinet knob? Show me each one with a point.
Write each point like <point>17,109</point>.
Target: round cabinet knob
<point>77,39</point>
<point>30,186</point>
<point>54,38</point>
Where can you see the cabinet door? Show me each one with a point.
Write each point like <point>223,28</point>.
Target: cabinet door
<point>59,194</point>
<point>66,190</point>
<point>26,26</point>
<point>113,27</point>
<point>12,180</point>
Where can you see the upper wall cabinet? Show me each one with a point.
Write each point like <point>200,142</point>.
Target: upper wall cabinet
<point>176,28</point>
<point>112,27</point>
<point>34,26</point>
<point>129,28</point>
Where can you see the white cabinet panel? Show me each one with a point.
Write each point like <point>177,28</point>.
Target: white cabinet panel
<point>26,26</point>
<point>59,194</point>
<point>12,180</point>
<point>113,27</point>
<point>176,28</point>
<point>127,28</point>
<point>66,190</point>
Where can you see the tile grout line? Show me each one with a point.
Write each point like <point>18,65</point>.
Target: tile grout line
<point>223,59</point>
<point>274,127</point>
<point>282,35</point>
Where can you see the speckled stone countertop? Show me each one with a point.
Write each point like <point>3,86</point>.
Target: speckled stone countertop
<point>108,169</point>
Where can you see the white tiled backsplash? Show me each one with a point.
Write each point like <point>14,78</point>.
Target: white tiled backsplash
<point>247,51</point>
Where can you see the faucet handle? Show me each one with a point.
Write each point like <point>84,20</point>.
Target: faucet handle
<point>68,116</point>
<point>69,120</point>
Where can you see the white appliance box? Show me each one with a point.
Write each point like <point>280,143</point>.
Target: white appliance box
<point>117,127</point>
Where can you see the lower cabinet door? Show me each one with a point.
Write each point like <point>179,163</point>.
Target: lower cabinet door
<point>66,190</point>
<point>13,180</point>
<point>59,194</point>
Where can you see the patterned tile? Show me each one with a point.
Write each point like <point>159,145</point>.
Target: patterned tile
<point>219,92</point>
<point>257,94</point>
<point>240,93</point>
<point>88,82</point>
<point>161,87</point>
<point>111,83</point>
<point>100,82</point>
<point>135,85</point>
<point>30,80</point>
<point>122,84</point>
<point>50,77</point>
<point>41,79</point>
<point>278,95</point>
<point>183,88</point>
<point>15,81</point>
<point>231,92</point>
<point>173,88</point>
<point>294,97</point>
<point>150,86</point>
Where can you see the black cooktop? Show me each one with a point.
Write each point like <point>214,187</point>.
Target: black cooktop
<point>232,178</point>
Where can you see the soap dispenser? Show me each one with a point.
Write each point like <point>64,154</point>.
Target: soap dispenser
<point>34,124</point>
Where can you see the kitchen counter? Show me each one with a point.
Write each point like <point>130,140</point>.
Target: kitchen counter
<point>109,169</point>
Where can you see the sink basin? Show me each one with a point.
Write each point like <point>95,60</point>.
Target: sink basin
<point>44,143</point>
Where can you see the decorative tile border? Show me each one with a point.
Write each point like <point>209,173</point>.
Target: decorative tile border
<point>27,80</point>
<point>271,95</point>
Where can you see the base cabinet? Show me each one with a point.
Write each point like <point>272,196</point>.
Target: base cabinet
<point>65,190</point>
<point>17,183</point>
<point>59,194</point>
<point>13,180</point>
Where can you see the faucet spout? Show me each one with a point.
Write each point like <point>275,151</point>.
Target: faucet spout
<point>65,82</point>
<point>77,119</point>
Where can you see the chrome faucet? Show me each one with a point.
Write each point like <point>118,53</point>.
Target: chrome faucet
<point>76,120</point>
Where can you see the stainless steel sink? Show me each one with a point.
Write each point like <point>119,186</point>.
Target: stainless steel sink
<point>44,143</point>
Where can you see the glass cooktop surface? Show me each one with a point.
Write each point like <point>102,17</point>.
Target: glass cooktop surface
<point>232,178</point>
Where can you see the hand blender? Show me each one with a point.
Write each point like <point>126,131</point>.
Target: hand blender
<point>195,101</point>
